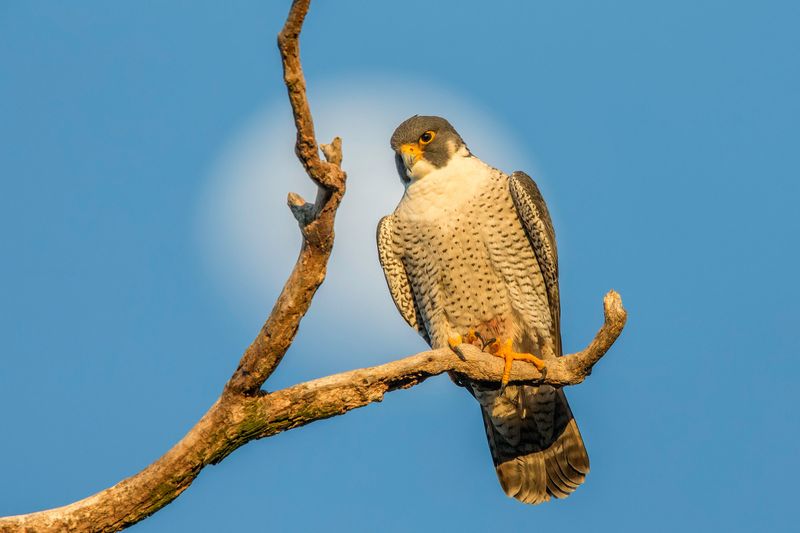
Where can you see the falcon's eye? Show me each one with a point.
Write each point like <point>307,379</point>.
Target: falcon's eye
<point>427,137</point>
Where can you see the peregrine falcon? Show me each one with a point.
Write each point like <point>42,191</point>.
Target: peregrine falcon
<point>470,255</point>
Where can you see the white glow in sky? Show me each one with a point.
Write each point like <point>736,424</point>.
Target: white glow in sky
<point>250,240</point>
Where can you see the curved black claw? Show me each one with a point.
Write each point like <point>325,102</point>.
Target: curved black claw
<point>484,342</point>
<point>459,352</point>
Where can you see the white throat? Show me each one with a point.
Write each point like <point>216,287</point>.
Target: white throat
<point>444,188</point>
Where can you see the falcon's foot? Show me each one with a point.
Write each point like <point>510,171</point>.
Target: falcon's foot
<point>504,350</point>
<point>455,342</point>
<point>469,338</point>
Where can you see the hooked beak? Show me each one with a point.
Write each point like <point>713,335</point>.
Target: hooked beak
<point>410,153</point>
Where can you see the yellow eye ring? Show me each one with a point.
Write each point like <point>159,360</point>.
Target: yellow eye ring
<point>427,137</point>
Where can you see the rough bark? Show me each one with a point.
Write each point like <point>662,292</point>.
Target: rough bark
<point>244,412</point>
<point>235,420</point>
<point>264,355</point>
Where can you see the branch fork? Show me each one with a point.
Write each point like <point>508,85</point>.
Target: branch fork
<point>305,212</point>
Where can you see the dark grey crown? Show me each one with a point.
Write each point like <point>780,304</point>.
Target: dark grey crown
<point>411,129</point>
<point>438,152</point>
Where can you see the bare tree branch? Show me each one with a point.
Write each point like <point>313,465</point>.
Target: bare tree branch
<point>335,395</point>
<point>230,424</point>
<point>244,412</point>
<point>264,355</point>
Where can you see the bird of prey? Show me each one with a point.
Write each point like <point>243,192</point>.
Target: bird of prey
<point>469,255</point>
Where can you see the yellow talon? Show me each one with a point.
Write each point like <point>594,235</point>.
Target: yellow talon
<point>505,351</point>
<point>471,337</point>
<point>453,342</point>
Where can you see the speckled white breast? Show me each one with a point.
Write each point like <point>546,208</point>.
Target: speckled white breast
<point>468,259</point>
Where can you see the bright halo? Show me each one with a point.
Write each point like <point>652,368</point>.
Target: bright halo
<point>249,240</point>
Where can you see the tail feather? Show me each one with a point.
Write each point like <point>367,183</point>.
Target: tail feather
<point>536,446</point>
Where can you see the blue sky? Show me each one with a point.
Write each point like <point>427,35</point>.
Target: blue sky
<point>663,135</point>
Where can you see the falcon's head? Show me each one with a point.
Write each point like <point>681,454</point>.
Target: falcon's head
<point>423,144</point>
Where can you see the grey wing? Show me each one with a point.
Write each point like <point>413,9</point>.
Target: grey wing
<point>532,212</point>
<point>397,278</point>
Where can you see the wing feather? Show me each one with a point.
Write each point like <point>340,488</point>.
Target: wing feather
<point>397,277</point>
<point>532,212</point>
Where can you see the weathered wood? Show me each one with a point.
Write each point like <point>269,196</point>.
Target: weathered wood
<point>316,220</point>
<point>237,419</point>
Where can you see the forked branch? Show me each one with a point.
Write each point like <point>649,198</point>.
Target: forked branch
<point>316,222</point>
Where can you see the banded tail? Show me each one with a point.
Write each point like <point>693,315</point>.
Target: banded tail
<point>537,449</point>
